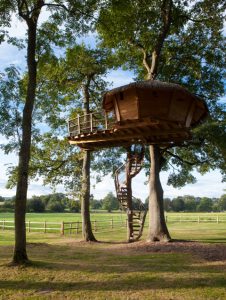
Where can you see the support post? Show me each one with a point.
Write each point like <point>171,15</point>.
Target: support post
<point>77,229</point>
<point>62,228</point>
<point>91,122</point>
<point>112,224</point>
<point>106,120</point>
<point>79,127</point>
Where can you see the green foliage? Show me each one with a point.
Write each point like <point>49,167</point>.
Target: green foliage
<point>205,204</point>
<point>95,204</point>
<point>8,205</point>
<point>190,203</point>
<point>55,207</point>
<point>222,203</point>
<point>191,53</point>
<point>178,204</point>
<point>110,202</point>
<point>167,204</point>
<point>35,205</point>
<point>74,206</point>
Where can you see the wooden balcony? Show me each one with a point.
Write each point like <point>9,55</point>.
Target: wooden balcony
<point>95,130</point>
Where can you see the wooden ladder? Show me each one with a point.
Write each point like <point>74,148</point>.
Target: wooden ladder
<point>123,177</point>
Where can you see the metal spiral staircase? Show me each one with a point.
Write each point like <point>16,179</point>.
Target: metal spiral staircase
<point>136,212</point>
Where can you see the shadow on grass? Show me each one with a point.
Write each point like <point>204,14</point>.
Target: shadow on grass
<point>133,283</point>
<point>113,270</point>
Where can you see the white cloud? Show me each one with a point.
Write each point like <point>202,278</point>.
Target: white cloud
<point>120,77</point>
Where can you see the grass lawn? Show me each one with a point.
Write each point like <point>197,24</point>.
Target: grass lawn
<point>66,268</point>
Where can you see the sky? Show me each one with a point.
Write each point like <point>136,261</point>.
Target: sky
<point>209,185</point>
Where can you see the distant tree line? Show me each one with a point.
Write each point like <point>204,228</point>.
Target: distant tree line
<point>59,202</point>
<point>190,203</point>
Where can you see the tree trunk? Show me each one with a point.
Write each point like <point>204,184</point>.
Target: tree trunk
<point>20,255</point>
<point>157,226</point>
<point>129,201</point>
<point>86,223</point>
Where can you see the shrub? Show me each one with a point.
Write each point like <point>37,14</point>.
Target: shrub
<point>35,205</point>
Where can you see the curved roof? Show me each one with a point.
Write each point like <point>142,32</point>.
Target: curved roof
<point>108,97</point>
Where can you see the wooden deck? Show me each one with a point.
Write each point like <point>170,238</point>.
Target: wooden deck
<point>146,131</point>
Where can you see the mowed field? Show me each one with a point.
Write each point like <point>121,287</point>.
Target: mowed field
<point>64,267</point>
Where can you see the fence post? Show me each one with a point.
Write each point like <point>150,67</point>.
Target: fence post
<point>77,229</point>
<point>44,226</point>
<point>29,226</point>
<point>62,228</point>
<point>70,227</point>
<point>112,224</point>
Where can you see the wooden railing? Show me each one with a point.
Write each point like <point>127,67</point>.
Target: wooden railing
<point>88,123</point>
<point>101,226</point>
<point>65,228</point>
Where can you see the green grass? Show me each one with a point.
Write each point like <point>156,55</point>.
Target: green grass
<point>67,217</point>
<point>65,268</point>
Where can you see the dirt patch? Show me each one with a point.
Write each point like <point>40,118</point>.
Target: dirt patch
<point>205,251</point>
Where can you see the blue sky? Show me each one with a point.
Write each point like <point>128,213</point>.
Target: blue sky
<point>207,185</point>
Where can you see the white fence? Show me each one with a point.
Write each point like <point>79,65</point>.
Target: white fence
<point>66,227</point>
<point>109,225</point>
<point>195,218</point>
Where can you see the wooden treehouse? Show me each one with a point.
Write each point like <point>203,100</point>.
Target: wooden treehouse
<point>147,112</point>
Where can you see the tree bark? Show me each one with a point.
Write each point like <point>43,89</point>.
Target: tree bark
<point>86,223</point>
<point>85,201</point>
<point>157,226</point>
<point>20,254</point>
<point>129,198</point>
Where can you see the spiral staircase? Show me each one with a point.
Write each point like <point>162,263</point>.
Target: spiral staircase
<point>135,209</point>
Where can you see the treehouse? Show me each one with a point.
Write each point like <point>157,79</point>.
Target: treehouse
<point>147,112</point>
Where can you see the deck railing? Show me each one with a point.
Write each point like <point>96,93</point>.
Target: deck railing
<point>88,123</point>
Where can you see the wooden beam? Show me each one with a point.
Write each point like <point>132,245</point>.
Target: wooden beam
<point>125,135</point>
<point>190,114</point>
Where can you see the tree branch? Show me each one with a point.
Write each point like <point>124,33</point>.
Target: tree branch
<point>57,6</point>
<point>166,11</point>
<point>145,55</point>
<point>186,161</point>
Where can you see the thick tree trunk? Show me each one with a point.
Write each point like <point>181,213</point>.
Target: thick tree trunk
<point>157,226</point>
<point>20,255</point>
<point>130,207</point>
<point>86,223</point>
<point>85,201</point>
